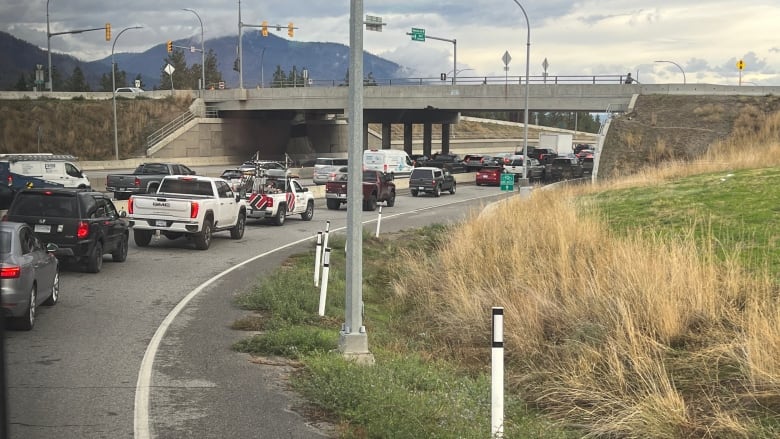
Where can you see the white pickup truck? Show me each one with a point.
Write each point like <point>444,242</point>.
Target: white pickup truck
<point>187,206</point>
<point>275,195</point>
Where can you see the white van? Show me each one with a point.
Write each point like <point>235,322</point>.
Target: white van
<point>55,169</point>
<point>389,161</point>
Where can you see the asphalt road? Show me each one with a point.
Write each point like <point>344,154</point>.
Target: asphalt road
<point>76,375</point>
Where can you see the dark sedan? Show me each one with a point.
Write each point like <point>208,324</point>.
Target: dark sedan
<point>29,274</point>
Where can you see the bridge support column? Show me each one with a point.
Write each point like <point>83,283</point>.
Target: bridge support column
<point>365,136</point>
<point>427,138</point>
<point>408,137</point>
<point>386,135</point>
<point>445,138</point>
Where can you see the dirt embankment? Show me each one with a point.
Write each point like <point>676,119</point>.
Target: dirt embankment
<point>84,128</point>
<point>665,127</point>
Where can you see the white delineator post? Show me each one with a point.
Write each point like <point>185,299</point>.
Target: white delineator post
<point>497,375</point>
<point>378,221</point>
<point>327,233</point>
<point>318,260</point>
<point>324,286</point>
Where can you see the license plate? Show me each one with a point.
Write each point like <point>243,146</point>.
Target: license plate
<point>42,228</point>
<point>121,189</point>
<point>161,223</point>
<point>342,195</point>
<point>421,188</point>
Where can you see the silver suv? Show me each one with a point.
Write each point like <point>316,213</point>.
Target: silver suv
<point>431,180</point>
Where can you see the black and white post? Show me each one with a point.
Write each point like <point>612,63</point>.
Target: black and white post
<point>324,286</point>
<point>497,375</point>
<point>378,221</point>
<point>327,233</point>
<point>317,260</point>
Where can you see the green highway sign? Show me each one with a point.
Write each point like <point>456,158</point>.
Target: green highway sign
<point>507,181</point>
<point>418,34</point>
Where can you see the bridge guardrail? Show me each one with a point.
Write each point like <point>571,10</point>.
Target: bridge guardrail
<point>181,120</point>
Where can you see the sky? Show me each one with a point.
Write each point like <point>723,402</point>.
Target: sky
<point>698,41</point>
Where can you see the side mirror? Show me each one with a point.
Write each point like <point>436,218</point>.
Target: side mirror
<point>238,198</point>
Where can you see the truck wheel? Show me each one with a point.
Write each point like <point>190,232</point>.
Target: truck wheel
<point>391,200</point>
<point>437,191</point>
<point>142,238</point>
<point>121,195</point>
<point>203,238</point>
<point>333,204</point>
<point>370,204</point>
<point>95,259</point>
<point>281,214</point>
<point>120,253</point>
<point>237,232</point>
<point>308,214</point>
<point>452,189</point>
<point>414,192</point>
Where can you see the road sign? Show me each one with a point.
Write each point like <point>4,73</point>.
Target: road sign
<point>740,64</point>
<point>374,23</point>
<point>506,58</point>
<point>169,69</point>
<point>507,182</point>
<point>221,85</point>
<point>418,34</point>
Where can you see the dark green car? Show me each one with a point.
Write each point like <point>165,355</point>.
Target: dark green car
<point>431,180</point>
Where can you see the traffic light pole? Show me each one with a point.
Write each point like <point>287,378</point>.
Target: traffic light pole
<point>454,54</point>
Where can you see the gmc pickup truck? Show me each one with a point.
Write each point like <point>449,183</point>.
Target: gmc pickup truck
<point>187,206</point>
<point>377,187</point>
<point>143,180</point>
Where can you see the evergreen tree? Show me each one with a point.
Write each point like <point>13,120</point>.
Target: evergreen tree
<point>77,82</point>
<point>181,75</point>
<point>213,75</point>
<point>279,79</point>
<point>107,83</point>
<point>21,84</point>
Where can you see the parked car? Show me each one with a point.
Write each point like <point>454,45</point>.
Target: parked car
<point>565,168</point>
<point>516,166</point>
<point>29,274</point>
<point>431,180</point>
<point>84,225</point>
<point>329,173</point>
<point>489,175</point>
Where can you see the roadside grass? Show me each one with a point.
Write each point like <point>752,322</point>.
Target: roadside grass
<point>646,306</point>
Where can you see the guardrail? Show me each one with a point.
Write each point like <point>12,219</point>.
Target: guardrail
<point>181,120</point>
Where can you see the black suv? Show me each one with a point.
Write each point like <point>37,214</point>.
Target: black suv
<point>431,180</point>
<point>565,168</point>
<point>85,225</point>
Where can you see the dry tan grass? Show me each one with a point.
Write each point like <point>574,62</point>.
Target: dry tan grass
<point>630,336</point>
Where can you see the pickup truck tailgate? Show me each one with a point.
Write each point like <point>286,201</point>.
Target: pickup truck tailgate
<point>162,206</point>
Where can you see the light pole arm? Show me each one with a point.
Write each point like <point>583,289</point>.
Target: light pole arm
<point>202,51</point>
<point>113,87</point>
<point>678,66</point>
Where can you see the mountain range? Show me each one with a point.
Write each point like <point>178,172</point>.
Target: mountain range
<point>261,56</point>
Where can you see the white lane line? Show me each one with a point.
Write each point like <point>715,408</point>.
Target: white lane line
<point>144,383</point>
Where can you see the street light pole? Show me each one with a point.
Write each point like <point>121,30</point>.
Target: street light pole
<point>678,66</point>
<point>525,129</point>
<point>240,50</point>
<point>202,51</point>
<point>48,45</point>
<point>262,70</point>
<point>113,87</point>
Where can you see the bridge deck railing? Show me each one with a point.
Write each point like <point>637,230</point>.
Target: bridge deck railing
<point>461,80</point>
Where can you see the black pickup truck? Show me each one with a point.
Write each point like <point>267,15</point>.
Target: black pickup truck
<point>83,224</point>
<point>143,180</point>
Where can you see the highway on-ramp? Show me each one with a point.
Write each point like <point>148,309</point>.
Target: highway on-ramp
<point>143,348</point>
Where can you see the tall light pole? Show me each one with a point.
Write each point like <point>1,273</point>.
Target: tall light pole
<point>525,129</point>
<point>678,66</point>
<point>48,44</point>
<point>202,51</point>
<point>113,87</point>
<point>262,70</point>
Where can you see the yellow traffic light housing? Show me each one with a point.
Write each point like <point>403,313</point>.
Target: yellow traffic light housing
<point>108,31</point>
<point>264,29</point>
<point>169,46</point>
<point>290,30</point>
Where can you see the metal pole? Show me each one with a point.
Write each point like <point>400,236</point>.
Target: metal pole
<point>353,339</point>
<point>240,51</point>
<point>454,61</point>
<point>262,70</point>
<point>678,66</point>
<point>48,45</point>
<point>525,129</point>
<point>202,51</point>
<point>113,87</point>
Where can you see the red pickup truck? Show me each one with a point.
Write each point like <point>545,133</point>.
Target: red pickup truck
<point>377,187</point>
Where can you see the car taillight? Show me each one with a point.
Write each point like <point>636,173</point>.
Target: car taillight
<point>10,272</point>
<point>83,230</point>
<point>130,205</point>
<point>194,207</point>
<point>10,180</point>
<point>137,182</point>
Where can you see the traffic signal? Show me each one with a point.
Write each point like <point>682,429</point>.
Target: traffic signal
<point>290,30</point>
<point>264,29</point>
<point>108,31</point>
<point>170,46</point>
